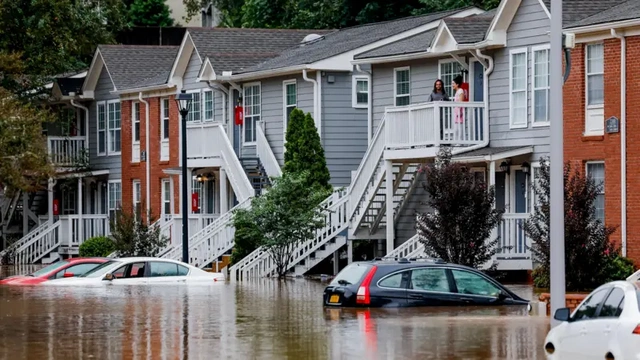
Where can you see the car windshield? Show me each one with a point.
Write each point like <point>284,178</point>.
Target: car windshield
<point>101,269</point>
<point>49,268</point>
<point>352,274</point>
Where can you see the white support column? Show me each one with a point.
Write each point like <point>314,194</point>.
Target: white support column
<point>25,213</point>
<point>224,196</point>
<point>336,262</point>
<point>349,251</point>
<point>50,200</point>
<point>492,175</point>
<point>389,201</point>
<point>80,222</point>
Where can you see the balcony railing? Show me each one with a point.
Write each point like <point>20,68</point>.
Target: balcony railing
<point>68,151</point>
<point>434,124</point>
<point>513,242</point>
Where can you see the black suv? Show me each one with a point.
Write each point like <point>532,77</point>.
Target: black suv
<point>389,282</point>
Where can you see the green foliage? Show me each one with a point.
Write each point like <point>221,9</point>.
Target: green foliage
<point>135,237</point>
<point>463,216</point>
<point>99,246</point>
<point>619,268</point>
<point>429,6</point>
<point>150,13</point>
<point>588,249</point>
<point>247,236</point>
<point>286,216</point>
<point>304,152</point>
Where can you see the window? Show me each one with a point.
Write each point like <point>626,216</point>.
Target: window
<point>137,197</point>
<point>196,188</point>
<point>448,71</point>
<point>541,85</point>
<point>360,97</point>
<point>290,94</point>
<point>75,270</point>
<point>429,279</point>
<point>393,281</point>
<point>114,127</point>
<point>595,74</point>
<point>102,128</point>
<point>166,196</point>
<point>402,87</point>
<point>588,308</point>
<point>195,108</point>
<point>159,268</point>
<point>518,88</point>
<point>135,116</point>
<point>183,270</point>
<point>474,284</point>
<point>352,274</point>
<point>164,130</point>
<point>208,105</point>
<point>595,170</point>
<point>115,198</point>
<point>252,111</point>
<point>614,304</point>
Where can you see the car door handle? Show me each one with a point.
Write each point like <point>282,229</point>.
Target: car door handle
<point>466,300</point>
<point>415,296</point>
<point>583,331</point>
<point>607,330</point>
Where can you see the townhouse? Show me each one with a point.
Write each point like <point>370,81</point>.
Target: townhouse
<point>599,113</point>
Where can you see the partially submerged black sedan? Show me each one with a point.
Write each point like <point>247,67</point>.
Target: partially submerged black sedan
<point>386,282</point>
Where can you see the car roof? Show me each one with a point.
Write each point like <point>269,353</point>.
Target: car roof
<point>83,259</point>
<point>410,262</point>
<point>146,258</point>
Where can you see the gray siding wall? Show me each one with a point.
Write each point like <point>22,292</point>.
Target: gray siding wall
<point>344,128</point>
<point>111,162</point>
<point>405,227</point>
<point>529,28</point>
<point>190,83</point>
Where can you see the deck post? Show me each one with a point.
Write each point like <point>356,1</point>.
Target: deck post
<point>224,196</point>
<point>80,221</point>
<point>389,202</point>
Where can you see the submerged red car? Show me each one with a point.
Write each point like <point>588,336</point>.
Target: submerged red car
<point>58,270</point>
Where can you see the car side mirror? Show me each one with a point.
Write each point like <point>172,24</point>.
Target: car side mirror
<point>562,314</point>
<point>503,295</point>
<point>108,277</point>
<point>68,275</point>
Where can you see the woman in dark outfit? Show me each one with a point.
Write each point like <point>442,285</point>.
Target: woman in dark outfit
<point>438,93</point>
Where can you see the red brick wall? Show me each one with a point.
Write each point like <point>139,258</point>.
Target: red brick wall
<point>137,171</point>
<point>572,301</point>
<point>579,149</point>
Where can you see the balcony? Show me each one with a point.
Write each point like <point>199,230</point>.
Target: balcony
<point>514,245</point>
<point>68,151</point>
<point>430,125</point>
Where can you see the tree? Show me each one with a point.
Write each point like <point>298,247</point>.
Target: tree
<point>303,150</point>
<point>246,238</point>
<point>24,162</point>
<point>588,249</point>
<point>134,237</point>
<point>150,13</point>
<point>286,216</point>
<point>440,5</point>
<point>463,216</point>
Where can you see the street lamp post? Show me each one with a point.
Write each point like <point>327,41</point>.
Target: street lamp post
<point>184,103</point>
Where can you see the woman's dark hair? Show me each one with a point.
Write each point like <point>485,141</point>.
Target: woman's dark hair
<point>458,80</point>
<point>435,89</point>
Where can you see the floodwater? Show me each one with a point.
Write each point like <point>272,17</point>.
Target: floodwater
<point>263,319</point>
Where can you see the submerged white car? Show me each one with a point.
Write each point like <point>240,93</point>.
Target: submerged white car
<point>141,270</point>
<point>606,325</point>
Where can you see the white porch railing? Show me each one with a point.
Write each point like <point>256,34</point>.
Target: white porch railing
<point>38,231</point>
<point>408,249</point>
<point>436,123</point>
<point>67,151</point>
<point>267,158</point>
<point>92,225</point>
<point>513,242</point>
<point>40,245</point>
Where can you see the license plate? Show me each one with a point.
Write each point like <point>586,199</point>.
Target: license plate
<point>334,298</point>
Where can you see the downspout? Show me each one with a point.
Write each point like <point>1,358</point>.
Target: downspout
<point>315,95</point>
<point>623,138</point>
<point>319,101</point>
<point>146,159</point>
<point>485,113</point>
<point>369,103</point>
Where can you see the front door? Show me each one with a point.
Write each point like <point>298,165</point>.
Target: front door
<point>520,188</point>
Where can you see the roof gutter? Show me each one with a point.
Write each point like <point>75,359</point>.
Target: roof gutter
<point>604,27</point>
<point>146,160</point>
<point>623,137</point>
<point>142,89</point>
<point>394,58</point>
<point>227,76</point>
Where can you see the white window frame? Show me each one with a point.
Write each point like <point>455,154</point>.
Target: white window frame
<point>164,199</point>
<point>604,180</point>
<point>535,49</point>
<point>192,108</point>
<point>203,113</point>
<point>135,118</point>
<point>447,84</point>
<point>137,195</point>
<point>98,131</point>
<point>109,151</point>
<point>596,111</point>
<point>526,86</point>
<point>395,85</point>
<point>354,91</point>
<point>532,185</point>
<point>164,128</point>
<point>109,208</point>
<point>285,106</point>
<point>244,105</point>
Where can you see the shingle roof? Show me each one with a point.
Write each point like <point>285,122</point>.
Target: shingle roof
<point>577,10</point>
<point>619,12</point>
<point>233,49</point>
<point>470,29</point>
<point>410,45</point>
<point>348,39</point>
<point>136,66</point>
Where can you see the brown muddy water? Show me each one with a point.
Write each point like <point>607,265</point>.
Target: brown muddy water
<point>262,319</point>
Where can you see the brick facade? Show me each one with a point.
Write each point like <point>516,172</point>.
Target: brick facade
<point>579,149</point>
<point>137,171</point>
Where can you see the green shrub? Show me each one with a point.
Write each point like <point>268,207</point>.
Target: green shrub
<point>99,246</point>
<point>619,268</point>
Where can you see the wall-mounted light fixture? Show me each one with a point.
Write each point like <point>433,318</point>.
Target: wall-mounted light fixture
<point>504,166</point>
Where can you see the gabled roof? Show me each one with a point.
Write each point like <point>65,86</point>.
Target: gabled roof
<point>69,85</point>
<point>471,29</point>
<point>626,10</point>
<point>347,39</point>
<point>574,11</point>
<point>137,66</point>
<point>410,45</point>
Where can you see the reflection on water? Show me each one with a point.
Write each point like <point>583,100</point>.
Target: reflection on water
<point>255,320</point>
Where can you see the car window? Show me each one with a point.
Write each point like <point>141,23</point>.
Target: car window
<point>161,268</point>
<point>588,309</point>
<point>430,279</point>
<point>49,268</point>
<point>612,306</point>
<point>135,270</point>
<point>352,274</point>
<point>76,270</point>
<point>101,269</point>
<point>393,281</point>
<point>474,284</point>
<point>183,270</point>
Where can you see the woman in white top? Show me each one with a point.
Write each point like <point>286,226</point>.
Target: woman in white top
<point>458,112</point>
